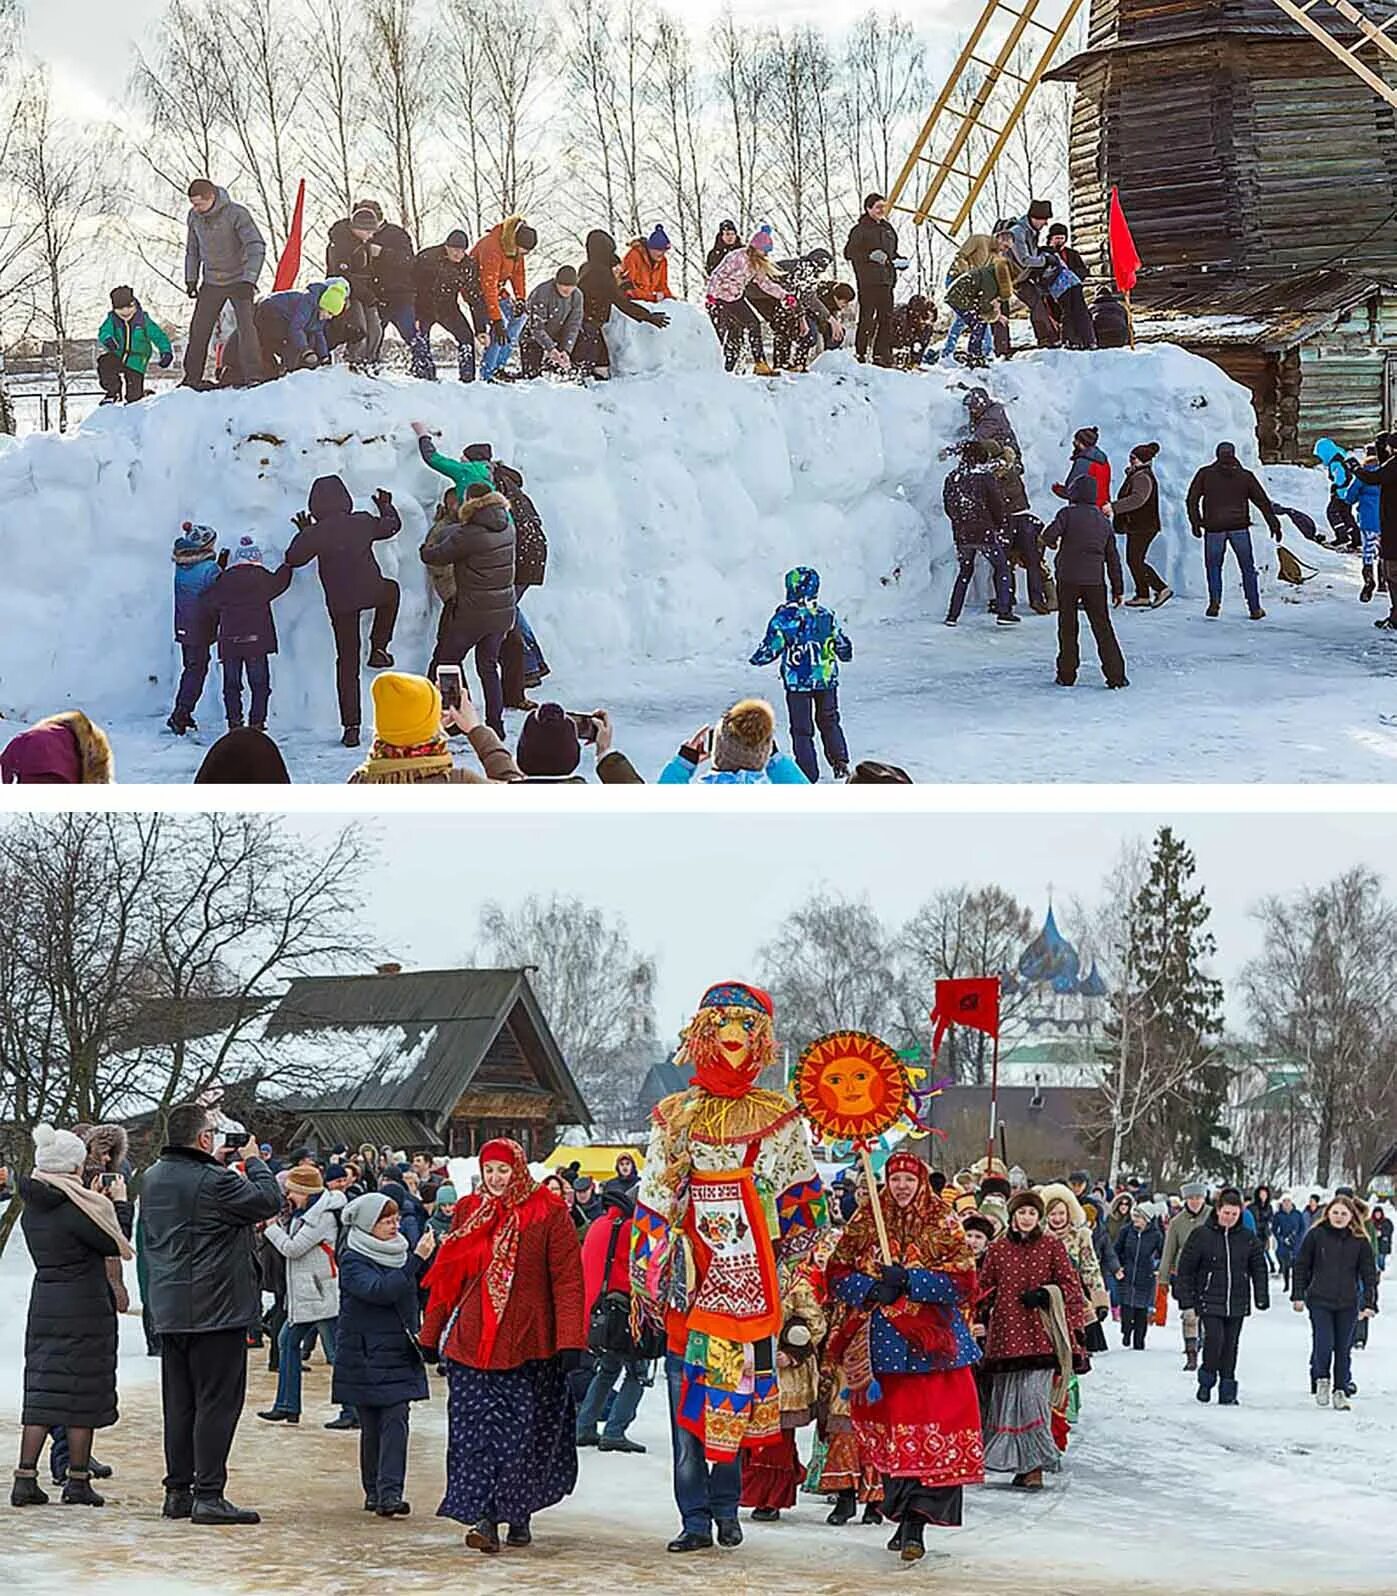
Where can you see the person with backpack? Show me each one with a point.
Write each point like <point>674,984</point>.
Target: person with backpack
<point>1220,499</point>
<point>606,1280</point>
<point>1336,1280</point>
<point>307,1241</point>
<point>1087,554</point>
<point>810,643</point>
<point>1135,511</point>
<point>240,603</point>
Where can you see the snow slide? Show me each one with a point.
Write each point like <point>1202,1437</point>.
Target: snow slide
<point>674,497</point>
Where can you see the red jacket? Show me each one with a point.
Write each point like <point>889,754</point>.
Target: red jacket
<point>500,262</point>
<point>594,1247</point>
<point>1016,1336</point>
<point>649,279</point>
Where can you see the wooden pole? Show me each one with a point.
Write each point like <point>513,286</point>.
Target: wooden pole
<point>871,1181</point>
<point>994,1102</point>
<point>1130,320</point>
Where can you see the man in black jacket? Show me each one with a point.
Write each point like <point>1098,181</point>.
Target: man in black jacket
<point>1223,1265</point>
<point>445,275</point>
<point>1086,544</point>
<point>974,505</point>
<point>1219,511</point>
<point>392,259</point>
<point>342,541</point>
<point>348,254</point>
<point>871,250</point>
<point>1110,320</point>
<point>202,1292</point>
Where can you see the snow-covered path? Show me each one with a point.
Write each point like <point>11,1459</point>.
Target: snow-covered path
<point>1160,1495</point>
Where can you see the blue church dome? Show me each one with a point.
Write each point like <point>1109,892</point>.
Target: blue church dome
<point>1050,958</point>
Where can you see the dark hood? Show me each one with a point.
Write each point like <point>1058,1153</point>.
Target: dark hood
<point>802,583</point>
<point>1083,490</point>
<point>601,249</point>
<point>329,496</point>
<point>977,401</point>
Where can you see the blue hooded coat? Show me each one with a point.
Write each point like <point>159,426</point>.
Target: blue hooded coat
<point>1139,1253</point>
<point>805,636</point>
<point>299,314</point>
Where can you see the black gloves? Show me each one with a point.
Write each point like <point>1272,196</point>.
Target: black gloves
<point>659,319</point>
<point>891,1285</point>
<point>498,331</point>
<point>1035,1297</point>
<point>1102,1313</point>
<point>192,290</point>
<point>383,499</point>
<point>569,1361</point>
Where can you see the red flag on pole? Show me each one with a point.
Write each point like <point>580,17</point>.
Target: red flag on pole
<point>1125,258</point>
<point>974,1003</point>
<point>289,266</point>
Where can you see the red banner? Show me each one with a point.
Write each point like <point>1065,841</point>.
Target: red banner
<point>289,266</point>
<point>973,1003</point>
<point>1125,258</point>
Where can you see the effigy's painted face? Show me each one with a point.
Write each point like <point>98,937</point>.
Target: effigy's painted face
<point>734,1037</point>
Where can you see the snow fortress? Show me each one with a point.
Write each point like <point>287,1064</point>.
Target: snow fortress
<point>674,498</point>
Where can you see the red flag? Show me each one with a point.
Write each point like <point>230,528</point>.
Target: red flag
<point>1125,258</point>
<point>289,266</point>
<point>974,1003</point>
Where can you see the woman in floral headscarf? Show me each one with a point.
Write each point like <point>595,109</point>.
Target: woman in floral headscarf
<point>907,1352</point>
<point>506,1314</point>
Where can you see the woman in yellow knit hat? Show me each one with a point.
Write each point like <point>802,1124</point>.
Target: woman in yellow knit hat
<point>410,729</point>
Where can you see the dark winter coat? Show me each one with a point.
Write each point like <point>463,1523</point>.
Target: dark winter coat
<point>1221,1270</point>
<point>412,1216</point>
<point>530,540</point>
<point>376,1358</point>
<point>481,550</point>
<point>441,283</point>
<point>974,504</point>
<point>715,255</point>
<point>392,266</point>
<point>1086,542</point>
<point>1136,506</point>
<point>240,602</point>
<point>1221,495</point>
<point>341,540</point>
<point>195,623</point>
<point>348,257</point>
<point>989,421</point>
<point>70,1336</point>
<point>224,246</point>
<point>197,1216</point>
<point>1289,1229</point>
<point>1110,322</point>
<point>1138,1252</point>
<point>1384,477</point>
<point>134,342</point>
<point>1330,1268</point>
<point>1018,1338</point>
<point>868,237</point>
<point>1261,1213</point>
<point>601,293</point>
<point>294,318</point>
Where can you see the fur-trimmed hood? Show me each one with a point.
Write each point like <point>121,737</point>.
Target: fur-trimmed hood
<point>66,749</point>
<point>1058,1192</point>
<point>482,501</point>
<point>108,1145</point>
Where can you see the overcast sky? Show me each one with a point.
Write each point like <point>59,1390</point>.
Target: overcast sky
<point>703,893</point>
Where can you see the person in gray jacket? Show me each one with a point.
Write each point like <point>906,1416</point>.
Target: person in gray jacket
<point>307,1242</point>
<point>555,319</point>
<point>1029,258</point>
<point>1087,552</point>
<point>223,257</point>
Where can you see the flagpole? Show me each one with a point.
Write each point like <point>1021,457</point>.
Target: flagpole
<point>994,1101</point>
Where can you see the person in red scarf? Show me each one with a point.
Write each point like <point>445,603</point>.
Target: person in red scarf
<point>505,1314</point>
<point>908,1354</point>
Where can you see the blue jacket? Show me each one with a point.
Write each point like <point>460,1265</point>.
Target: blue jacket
<point>891,1351</point>
<point>1139,1253</point>
<point>781,771</point>
<point>1288,1230</point>
<point>375,1365</point>
<point>299,313</point>
<point>806,637</point>
<point>195,623</point>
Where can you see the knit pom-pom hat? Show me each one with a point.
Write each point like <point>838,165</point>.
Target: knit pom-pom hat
<point>745,736</point>
<point>407,709</point>
<point>58,1152</point>
<point>762,240</point>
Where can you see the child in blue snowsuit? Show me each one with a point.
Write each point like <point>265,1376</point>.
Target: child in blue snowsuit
<point>810,643</point>
<point>196,570</point>
<point>1363,498</point>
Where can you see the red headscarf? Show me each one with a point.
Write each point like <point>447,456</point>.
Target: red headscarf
<point>484,1245</point>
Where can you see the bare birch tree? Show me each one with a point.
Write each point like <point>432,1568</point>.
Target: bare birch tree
<point>403,102</point>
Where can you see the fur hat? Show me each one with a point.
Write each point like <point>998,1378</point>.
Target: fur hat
<point>745,736</point>
<point>407,709</point>
<point>1025,1199</point>
<point>68,749</point>
<point>305,1177</point>
<point>1057,1192</point>
<point>246,553</point>
<point>107,1145</point>
<point>989,1228</point>
<point>1193,1188</point>
<point>58,1152</point>
<point>548,743</point>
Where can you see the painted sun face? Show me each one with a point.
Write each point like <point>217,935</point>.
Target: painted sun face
<point>851,1085</point>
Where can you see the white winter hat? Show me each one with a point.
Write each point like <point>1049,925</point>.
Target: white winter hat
<point>58,1152</point>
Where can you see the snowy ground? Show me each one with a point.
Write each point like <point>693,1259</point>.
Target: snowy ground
<point>1160,1495</point>
<point>675,498</point>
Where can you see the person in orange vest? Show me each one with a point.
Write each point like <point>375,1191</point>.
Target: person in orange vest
<point>500,257</point>
<point>646,267</point>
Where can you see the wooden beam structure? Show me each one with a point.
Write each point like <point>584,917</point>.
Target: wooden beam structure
<point>1371,33</point>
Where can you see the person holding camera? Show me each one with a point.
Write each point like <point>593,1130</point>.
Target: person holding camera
<point>197,1222</point>
<point>606,1280</point>
<point>411,723</point>
<point>551,742</point>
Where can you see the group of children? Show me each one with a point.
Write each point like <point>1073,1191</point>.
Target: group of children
<point>1356,488</point>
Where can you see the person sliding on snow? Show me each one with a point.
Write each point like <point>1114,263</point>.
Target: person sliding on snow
<point>241,603</point>
<point>809,641</point>
<point>1219,511</point>
<point>197,568</point>
<point>128,338</point>
<point>974,505</point>
<point>1086,554</point>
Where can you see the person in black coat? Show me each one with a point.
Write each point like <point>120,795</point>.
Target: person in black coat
<point>1110,320</point>
<point>479,547</point>
<point>1220,500</point>
<point>725,241</point>
<point>202,1287</point>
<point>347,255</point>
<point>871,249</point>
<point>379,1367</point>
<point>444,276</point>
<point>1135,510</point>
<point>393,256</point>
<point>240,603</point>
<point>602,293</point>
<point>522,664</point>
<point>1139,1245</point>
<point>974,504</point>
<point>1383,475</point>
<point>341,541</point>
<point>1336,1278</point>
<point>1087,554</point>
<point>1222,1267</point>
<point>70,1339</point>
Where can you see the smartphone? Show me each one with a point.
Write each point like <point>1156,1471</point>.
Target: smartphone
<point>234,1138</point>
<point>586,726</point>
<point>449,681</point>
<point>106,1180</point>
<point>708,742</point>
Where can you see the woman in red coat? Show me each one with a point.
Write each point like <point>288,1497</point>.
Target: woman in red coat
<point>1036,1308</point>
<point>506,1315</point>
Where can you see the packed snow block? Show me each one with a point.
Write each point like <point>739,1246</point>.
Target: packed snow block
<point>674,504</point>
<point>687,344</point>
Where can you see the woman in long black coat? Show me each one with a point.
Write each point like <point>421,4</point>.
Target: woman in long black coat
<point>71,1336</point>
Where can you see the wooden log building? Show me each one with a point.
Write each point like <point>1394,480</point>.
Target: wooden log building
<point>1259,176</point>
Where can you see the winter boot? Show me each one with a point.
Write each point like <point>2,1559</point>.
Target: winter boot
<point>912,1548</point>
<point>1257,615</point>
<point>380,660</point>
<point>519,1535</point>
<point>1206,1381</point>
<point>1191,1354</point>
<point>180,723</point>
<point>178,1503</point>
<point>1213,611</point>
<point>1370,585</point>
<point>485,1537</point>
<point>78,1492</point>
<point>25,1492</point>
<point>350,738</point>
<point>845,1506</point>
<point>219,1510</point>
<point>872,1514</point>
<point>765,1515</point>
<point>392,1506</point>
<point>895,1540</point>
<point>760,368</point>
<point>1322,1393</point>
<point>729,1532</point>
<point>1008,619</point>
<point>1227,1393</point>
<point>99,1471</point>
<point>1341,1401</point>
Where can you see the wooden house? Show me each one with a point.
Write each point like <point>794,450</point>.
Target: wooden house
<point>426,1060</point>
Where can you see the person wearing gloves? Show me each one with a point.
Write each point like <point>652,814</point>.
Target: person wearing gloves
<point>601,293</point>
<point>1222,1268</point>
<point>646,267</point>
<point>1087,554</point>
<point>1220,499</point>
<point>444,277</point>
<point>240,602</point>
<point>727,294</point>
<point>555,320</point>
<point>1336,1279</point>
<point>410,737</point>
<point>379,1367</point>
<point>1088,460</point>
<point>349,254</point>
<point>223,257</point>
<point>810,643</point>
<point>197,568</point>
<point>742,749</point>
<point>1135,511</point>
<point>499,255</point>
<point>1030,261</point>
<point>977,297</point>
<point>871,249</point>
<point>128,338</point>
<point>292,327</point>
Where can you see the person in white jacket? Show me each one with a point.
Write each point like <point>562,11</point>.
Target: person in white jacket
<point>307,1242</point>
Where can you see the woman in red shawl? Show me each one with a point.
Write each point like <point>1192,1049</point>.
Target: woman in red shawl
<point>506,1316</point>
<point>907,1352</point>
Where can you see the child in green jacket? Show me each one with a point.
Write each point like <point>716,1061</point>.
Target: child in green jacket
<point>128,338</point>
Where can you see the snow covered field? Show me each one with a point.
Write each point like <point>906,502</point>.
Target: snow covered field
<point>675,499</point>
<point>1160,1495</point>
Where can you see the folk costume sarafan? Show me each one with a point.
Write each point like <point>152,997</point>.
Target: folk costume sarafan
<point>906,1349</point>
<point>729,1194</point>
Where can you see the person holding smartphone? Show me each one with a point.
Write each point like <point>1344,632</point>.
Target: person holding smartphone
<point>551,742</point>
<point>411,723</point>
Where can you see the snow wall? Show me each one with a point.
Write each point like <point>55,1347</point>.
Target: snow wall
<point>675,497</point>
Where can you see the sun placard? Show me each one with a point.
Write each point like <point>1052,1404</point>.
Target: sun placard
<point>851,1086</point>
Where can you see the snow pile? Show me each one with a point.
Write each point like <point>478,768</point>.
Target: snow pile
<point>674,500</point>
